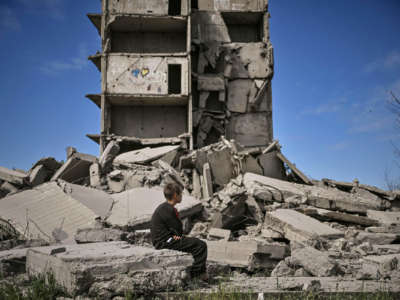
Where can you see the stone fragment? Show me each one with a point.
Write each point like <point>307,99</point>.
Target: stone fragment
<point>12,176</point>
<point>247,254</point>
<point>238,95</point>
<point>384,217</point>
<point>135,207</point>
<point>301,273</point>
<point>377,238</point>
<point>76,168</point>
<point>7,188</point>
<point>108,155</point>
<point>251,165</point>
<point>219,234</point>
<point>115,267</point>
<point>384,229</point>
<point>207,183</point>
<point>95,175</point>
<point>377,267</point>
<point>271,165</point>
<point>254,210</point>
<point>49,163</point>
<point>327,198</point>
<point>196,184</point>
<point>221,166</point>
<point>142,156</point>
<point>298,227</point>
<point>96,235</point>
<point>314,261</point>
<point>210,27</point>
<point>54,211</point>
<point>282,269</point>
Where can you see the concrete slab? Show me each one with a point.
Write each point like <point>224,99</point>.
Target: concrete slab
<point>384,217</point>
<point>7,188</point>
<point>12,176</point>
<point>325,214</point>
<point>76,168</point>
<point>219,234</point>
<point>97,235</point>
<point>116,266</point>
<point>245,254</point>
<point>49,162</point>
<point>314,261</point>
<point>209,26</point>
<point>108,155</point>
<point>135,207</point>
<point>54,211</point>
<point>298,227</point>
<point>327,198</point>
<point>377,238</point>
<point>143,156</point>
<point>12,262</point>
<point>221,165</point>
<point>206,181</point>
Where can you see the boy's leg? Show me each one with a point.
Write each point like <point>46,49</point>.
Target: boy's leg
<point>196,247</point>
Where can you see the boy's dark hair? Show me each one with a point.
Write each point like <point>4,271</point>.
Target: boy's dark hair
<point>170,189</point>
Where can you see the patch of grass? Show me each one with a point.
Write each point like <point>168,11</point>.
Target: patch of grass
<point>37,288</point>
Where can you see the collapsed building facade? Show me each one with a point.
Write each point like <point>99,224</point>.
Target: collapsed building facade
<point>184,71</point>
<point>186,98</point>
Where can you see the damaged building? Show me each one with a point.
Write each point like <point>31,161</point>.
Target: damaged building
<point>186,98</point>
<point>184,72</point>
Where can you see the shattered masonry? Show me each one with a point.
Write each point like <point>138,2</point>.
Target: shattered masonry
<point>184,72</point>
<point>267,225</point>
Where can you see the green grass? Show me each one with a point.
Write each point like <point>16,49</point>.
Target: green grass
<point>37,288</point>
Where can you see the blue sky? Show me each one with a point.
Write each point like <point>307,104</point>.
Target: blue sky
<point>335,62</point>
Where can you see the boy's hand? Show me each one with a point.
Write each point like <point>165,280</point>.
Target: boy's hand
<point>176,237</point>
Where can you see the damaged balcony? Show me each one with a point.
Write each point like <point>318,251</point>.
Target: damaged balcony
<point>230,5</point>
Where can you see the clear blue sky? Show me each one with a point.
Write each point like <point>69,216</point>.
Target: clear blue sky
<point>335,62</point>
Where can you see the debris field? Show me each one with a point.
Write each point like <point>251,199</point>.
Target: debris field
<point>87,221</point>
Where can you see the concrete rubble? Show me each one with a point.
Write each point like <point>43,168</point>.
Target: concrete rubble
<point>198,113</point>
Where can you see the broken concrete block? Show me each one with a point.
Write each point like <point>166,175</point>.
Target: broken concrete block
<point>384,229</point>
<point>196,184</point>
<point>7,188</point>
<point>97,235</point>
<point>207,181</point>
<point>327,198</point>
<point>49,162</point>
<point>142,156</point>
<point>377,238</point>
<point>95,175</point>
<point>76,168</point>
<point>114,266</point>
<point>303,177</point>
<point>282,269</point>
<point>221,165</point>
<point>271,165</point>
<point>254,210</point>
<point>314,261</point>
<point>38,175</point>
<point>384,217</point>
<point>377,267</point>
<point>14,177</point>
<point>135,207</point>
<point>324,214</point>
<point>210,82</point>
<point>70,151</point>
<point>219,234</point>
<point>251,165</point>
<point>108,155</point>
<point>249,254</point>
<point>54,211</point>
<point>298,227</point>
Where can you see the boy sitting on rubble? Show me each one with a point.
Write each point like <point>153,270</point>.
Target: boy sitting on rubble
<point>167,232</point>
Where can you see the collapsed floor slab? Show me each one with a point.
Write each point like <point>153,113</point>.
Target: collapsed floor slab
<point>134,208</point>
<point>327,198</point>
<point>112,268</point>
<point>298,227</point>
<point>54,211</point>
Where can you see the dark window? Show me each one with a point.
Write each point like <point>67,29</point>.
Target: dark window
<point>174,7</point>
<point>195,4</point>
<point>174,79</point>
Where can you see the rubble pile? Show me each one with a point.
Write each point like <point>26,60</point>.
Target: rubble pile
<point>259,214</point>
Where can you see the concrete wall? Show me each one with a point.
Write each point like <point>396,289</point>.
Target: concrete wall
<point>149,121</point>
<point>233,5</point>
<point>144,75</point>
<point>157,7</point>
